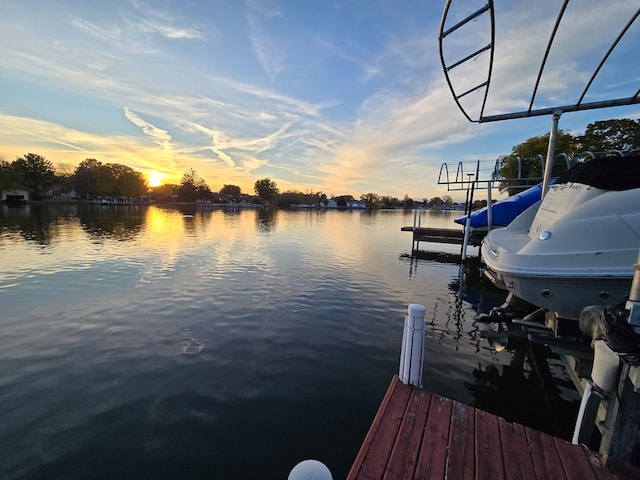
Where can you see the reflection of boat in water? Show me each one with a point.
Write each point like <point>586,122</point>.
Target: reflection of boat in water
<point>577,246</point>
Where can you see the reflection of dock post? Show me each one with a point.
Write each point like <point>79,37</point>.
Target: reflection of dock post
<point>417,223</point>
<point>412,352</point>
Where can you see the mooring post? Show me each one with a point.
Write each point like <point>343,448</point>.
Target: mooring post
<point>412,351</point>
<point>604,377</point>
<point>310,470</point>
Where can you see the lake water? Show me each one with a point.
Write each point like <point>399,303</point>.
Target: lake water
<point>232,344</point>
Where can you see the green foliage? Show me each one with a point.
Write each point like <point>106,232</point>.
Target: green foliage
<point>163,192</point>
<point>342,200</point>
<point>230,190</point>
<point>619,134</point>
<point>36,174</point>
<point>266,189</point>
<point>193,187</point>
<point>387,201</point>
<point>601,136</point>
<point>10,177</point>
<point>525,164</point>
<point>84,179</point>
<point>371,200</point>
<point>291,197</point>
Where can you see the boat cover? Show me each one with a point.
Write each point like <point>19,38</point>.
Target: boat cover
<point>505,210</point>
<point>607,173</point>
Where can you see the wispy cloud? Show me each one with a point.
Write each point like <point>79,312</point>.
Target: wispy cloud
<point>157,135</point>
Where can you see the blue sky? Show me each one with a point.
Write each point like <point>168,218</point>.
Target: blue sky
<point>342,96</point>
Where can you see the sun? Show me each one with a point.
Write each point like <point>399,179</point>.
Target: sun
<point>155,179</point>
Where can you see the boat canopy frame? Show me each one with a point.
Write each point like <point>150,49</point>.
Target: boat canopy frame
<point>489,9</point>
<point>555,111</point>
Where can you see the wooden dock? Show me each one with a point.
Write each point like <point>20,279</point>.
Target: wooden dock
<point>420,435</point>
<point>444,235</point>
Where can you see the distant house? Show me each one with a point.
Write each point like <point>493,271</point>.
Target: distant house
<point>355,204</point>
<point>16,195</point>
<point>331,204</point>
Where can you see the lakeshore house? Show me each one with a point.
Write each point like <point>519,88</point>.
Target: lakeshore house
<point>16,195</point>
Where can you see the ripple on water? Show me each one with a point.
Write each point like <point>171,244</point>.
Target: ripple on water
<point>184,346</point>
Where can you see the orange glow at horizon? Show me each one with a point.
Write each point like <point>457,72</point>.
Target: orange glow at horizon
<point>155,179</point>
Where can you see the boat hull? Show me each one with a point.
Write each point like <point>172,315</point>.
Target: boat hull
<point>574,249</point>
<point>565,295</point>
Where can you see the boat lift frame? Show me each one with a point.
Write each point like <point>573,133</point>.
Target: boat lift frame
<point>617,436</point>
<point>556,111</point>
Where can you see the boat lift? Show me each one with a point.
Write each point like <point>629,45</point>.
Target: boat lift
<point>476,181</point>
<point>619,440</point>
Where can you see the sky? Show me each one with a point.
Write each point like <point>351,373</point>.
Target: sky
<point>337,96</point>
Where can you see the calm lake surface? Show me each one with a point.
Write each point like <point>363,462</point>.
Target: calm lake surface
<point>146,342</point>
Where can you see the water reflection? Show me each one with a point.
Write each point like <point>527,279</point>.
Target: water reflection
<point>122,223</point>
<point>34,223</point>
<point>531,386</point>
<point>201,335</point>
<point>266,219</point>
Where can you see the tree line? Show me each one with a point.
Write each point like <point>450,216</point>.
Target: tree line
<point>92,178</point>
<point>524,165</point>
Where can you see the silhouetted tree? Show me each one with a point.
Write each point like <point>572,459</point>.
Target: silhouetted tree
<point>266,189</point>
<point>36,173</point>
<point>230,190</point>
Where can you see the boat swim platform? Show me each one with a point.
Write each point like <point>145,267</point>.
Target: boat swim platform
<point>420,435</point>
<point>445,235</point>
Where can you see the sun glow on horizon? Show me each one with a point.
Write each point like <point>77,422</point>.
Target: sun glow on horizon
<point>155,179</point>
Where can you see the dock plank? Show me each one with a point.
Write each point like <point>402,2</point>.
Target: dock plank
<point>544,455</point>
<point>421,435</point>
<point>516,452</point>
<point>489,462</point>
<point>460,464</point>
<point>444,235</point>
<point>403,460</point>
<point>432,460</point>
<point>387,424</point>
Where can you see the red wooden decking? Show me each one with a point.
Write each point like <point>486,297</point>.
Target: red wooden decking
<point>420,435</point>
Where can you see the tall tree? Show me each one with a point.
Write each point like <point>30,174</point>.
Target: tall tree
<point>84,177</point>
<point>10,177</point>
<point>230,190</point>
<point>371,200</point>
<point>618,134</point>
<point>526,161</point>
<point>128,182</point>
<point>192,187</point>
<point>266,189</point>
<point>36,172</point>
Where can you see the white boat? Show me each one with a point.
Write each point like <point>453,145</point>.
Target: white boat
<point>577,246</point>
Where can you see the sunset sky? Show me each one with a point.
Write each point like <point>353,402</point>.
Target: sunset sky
<point>339,96</point>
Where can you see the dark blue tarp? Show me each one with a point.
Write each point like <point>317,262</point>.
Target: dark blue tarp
<point>505,210</point>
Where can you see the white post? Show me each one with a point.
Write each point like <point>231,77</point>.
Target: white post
<point>310,470</point>
<point>550,152</point>
<point>489,206</point>
<point>604,376</point>
<point>412,352</point>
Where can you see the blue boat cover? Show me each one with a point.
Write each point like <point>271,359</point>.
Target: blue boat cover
<point>505,210</point>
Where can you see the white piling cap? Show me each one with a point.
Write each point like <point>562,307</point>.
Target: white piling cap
<point>310,470</point>
<point>416,310</point>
